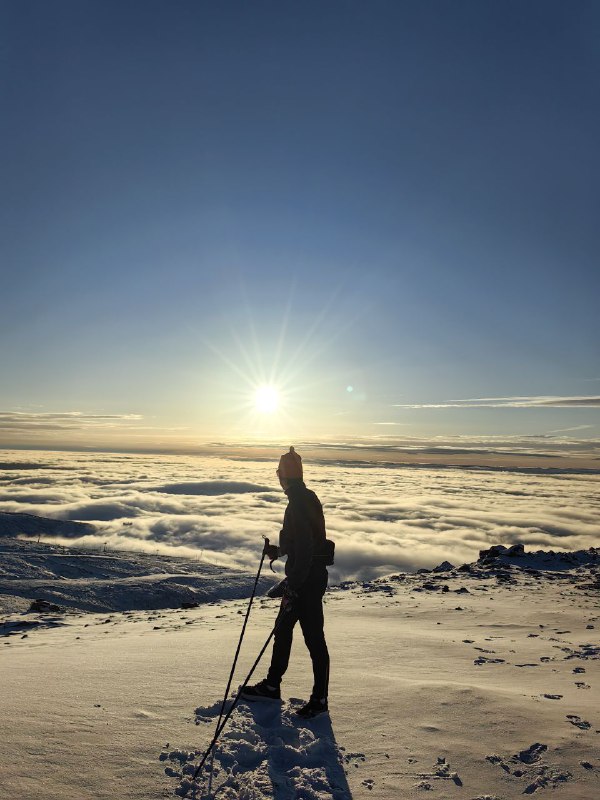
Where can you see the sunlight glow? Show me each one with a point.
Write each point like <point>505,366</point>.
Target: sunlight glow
<point>266,399</point>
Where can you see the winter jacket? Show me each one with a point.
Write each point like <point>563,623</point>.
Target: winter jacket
<point>302,537</point>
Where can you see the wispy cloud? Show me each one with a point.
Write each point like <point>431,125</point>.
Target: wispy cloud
<point>68,420</point>
<point>18,425</point>
<point>541,401</point>
<point>390,423</point>
<point>574,428</point>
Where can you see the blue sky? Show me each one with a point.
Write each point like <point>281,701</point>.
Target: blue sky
<point>398,197</point>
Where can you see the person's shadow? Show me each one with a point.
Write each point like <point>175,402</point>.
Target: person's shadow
<point>266,744</point>
<point>302,754</point>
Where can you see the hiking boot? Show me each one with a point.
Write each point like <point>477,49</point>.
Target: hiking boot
<point>313,708</point>
<point>261,691</point>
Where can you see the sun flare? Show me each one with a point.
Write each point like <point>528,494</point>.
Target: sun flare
<point>266,399</point>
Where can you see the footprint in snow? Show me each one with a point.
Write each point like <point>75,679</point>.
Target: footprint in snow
<point>531,767</point>
<point>440,771</point>
<point>583,724</point>
<point>550,778</point>
<point>209,713</point>
<point>532,753</point>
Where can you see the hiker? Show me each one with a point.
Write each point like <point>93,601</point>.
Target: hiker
<point>302,539</point>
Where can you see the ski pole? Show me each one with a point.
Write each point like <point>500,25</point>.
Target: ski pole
<point>237,652</point>
<point>238,697</point>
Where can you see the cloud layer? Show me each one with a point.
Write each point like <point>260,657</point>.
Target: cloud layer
<point>212,488</point>
<point>382,517</point>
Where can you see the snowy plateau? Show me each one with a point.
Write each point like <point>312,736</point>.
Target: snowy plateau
<point>473,682</point>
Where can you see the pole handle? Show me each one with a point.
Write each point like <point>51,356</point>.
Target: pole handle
<point>271,560</point>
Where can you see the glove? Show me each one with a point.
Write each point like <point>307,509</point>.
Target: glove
<point>271,551</point>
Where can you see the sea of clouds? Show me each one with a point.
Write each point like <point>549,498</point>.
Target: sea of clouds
<point>382,518</point>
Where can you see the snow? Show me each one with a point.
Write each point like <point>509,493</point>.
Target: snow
<point>15,524</point>
<point>81,580</point>
<point>468,683</point>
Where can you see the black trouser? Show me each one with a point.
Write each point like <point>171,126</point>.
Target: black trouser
<point>307,609</point>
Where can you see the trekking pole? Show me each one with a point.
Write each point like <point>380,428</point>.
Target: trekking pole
<point>237,652</point>
<point>238,697</point>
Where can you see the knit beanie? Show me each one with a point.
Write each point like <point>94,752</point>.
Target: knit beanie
<point>290,465</point>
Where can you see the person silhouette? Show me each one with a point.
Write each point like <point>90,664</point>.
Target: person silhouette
<point>303,540</point>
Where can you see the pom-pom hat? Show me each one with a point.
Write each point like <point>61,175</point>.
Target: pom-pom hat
<point>290,465</point>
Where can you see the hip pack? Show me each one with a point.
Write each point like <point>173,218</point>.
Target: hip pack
<point>327,554</point>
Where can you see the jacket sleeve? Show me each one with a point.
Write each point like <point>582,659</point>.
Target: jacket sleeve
<point>303,547</point>
<point>285,535</point>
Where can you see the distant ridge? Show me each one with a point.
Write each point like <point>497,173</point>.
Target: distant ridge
<point>84,580</point>
<point>14,525</point>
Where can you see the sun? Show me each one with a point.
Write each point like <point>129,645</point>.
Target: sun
<point>266,399</point>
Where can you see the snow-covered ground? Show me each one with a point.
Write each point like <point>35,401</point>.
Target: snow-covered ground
<point>463,683</point>
<point>80,580</point>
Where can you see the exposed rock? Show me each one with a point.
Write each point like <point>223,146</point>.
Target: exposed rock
<point>445,566</point>
<point>514,551</point>
<point>43,606</point>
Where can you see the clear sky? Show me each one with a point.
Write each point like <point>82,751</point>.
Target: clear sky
<point>386,210</point>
